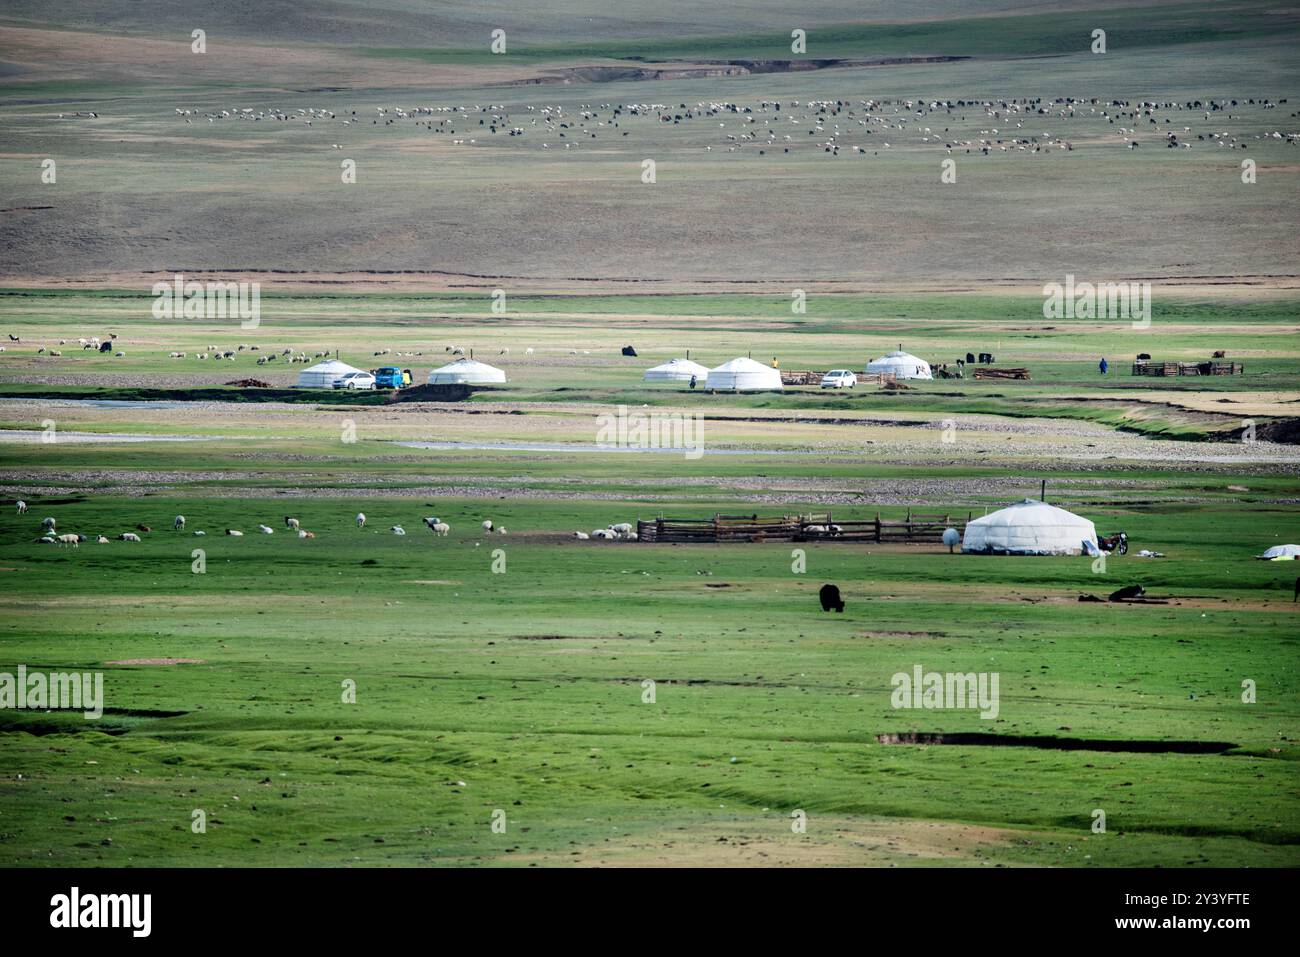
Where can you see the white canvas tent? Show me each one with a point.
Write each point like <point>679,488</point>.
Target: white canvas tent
<point>1030,527</point>
<point>744,375</point>
<point>323,375</point>
<point>677,370</point>
<point>467,372</point>
<point>1281,553</point>
<point>903,365</point>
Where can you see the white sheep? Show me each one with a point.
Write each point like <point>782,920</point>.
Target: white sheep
<point>47,524</point>
<point>266,529</point>
<point>501,529</point>
<point>69,539</point>
<point>101,540</point>
<point>234,532</point>
<point>200,532</point>
<point>361,519</point>
<point>128,537</point>
<point>441,528</point>
<point>292,523</point>
<point>622,528</point>
<point>397,530</point>
<point>581,536</point>
<point>22,507</point>
<point>178,525</point>
<point>487,525</point>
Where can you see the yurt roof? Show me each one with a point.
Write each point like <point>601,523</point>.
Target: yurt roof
<point>335,367</point>
<point>469,369</point>
<point>680,367</point>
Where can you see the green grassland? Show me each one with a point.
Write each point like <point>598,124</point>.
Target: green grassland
<point>526,687</point>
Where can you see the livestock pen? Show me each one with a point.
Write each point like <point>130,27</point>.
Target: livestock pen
<point>915,527</point>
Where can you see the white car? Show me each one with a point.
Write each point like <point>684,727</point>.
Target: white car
<point>355,380</point>
<point>839,379</point>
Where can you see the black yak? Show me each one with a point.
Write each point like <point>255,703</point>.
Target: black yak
<point>830,598</point>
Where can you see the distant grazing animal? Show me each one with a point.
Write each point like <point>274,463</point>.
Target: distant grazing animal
<point>22,507</point>
<point>292,523</point>
<point>487,525</point>
<point>128,537</point>
<point>303,533</point>
<point>1143,356</point>
<point>106,347</point>
<point>1128,591</point>
<point>501,529</point>
<point>603,533</point>
<point>178,524</point>
<point>46,540</point>
<point>69,540</point>
<point>200,532</point>
<point>47,524</point>
<point>235,532</point>
<point>101,540</point>
<point>622,528</point>
<point>581,536</point>
<point>1219,354</point>
<point>431,521</point>
<point>397,530</point>
<point>830,598</point>
<point>440,528</point>
<point>266,529</point>
<point>143,528</point>
<point>361,519</point>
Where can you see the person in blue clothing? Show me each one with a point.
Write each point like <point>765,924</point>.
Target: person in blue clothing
<point>692,382</point>
<point>1102,365</point>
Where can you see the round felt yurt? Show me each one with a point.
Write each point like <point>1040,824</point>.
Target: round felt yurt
<point>743,375</point>
<point>467,372</point>
<point>323,375</point>
<point>677,370</point>
<point>1030,527</point>
<point>902,364</point>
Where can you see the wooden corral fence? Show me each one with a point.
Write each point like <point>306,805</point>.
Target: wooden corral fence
<point>916,527</point>
<point>1001,373</point>
<point>1211,367</point>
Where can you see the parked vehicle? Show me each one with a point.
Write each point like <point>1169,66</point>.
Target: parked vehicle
<point>839,379</point>
<point>1117,544</point>
<point>389,377</point>
<point>355,380</point>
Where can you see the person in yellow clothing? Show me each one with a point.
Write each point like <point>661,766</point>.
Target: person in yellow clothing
<point>775,364</point>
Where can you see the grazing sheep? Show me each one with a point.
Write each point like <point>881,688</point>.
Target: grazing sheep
<point>235,532</point>
<point>501,529</point>
<point>581,536</point>
<point>487,525</point>
<point>46,540</point>
<point>603,533</point>
<point>303,533</point>
<point>631,536</point>
<point>200,532</point>
<point>101,540</point>
<point>266,529</point>
<point>292,523</point>
<point>361,519</point>
<point>47,524</point>
<point>178,524</point>
<point>431,521</point>
<point>128,537</point>
<point>440,528</point>
<point>69,539</point>
<point>143,528</point>
<point>397,530</point>
<point>22,507</point>
<point>622,528</point>
<point>830,598</point>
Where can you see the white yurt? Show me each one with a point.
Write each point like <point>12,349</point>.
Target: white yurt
<point>323,375</point>
<point>467,372</point>
<point>677,370</point>
<point>1281,553</point>
<point>1030,527</point>
<point>744,375</point>
<point>902,364</point>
